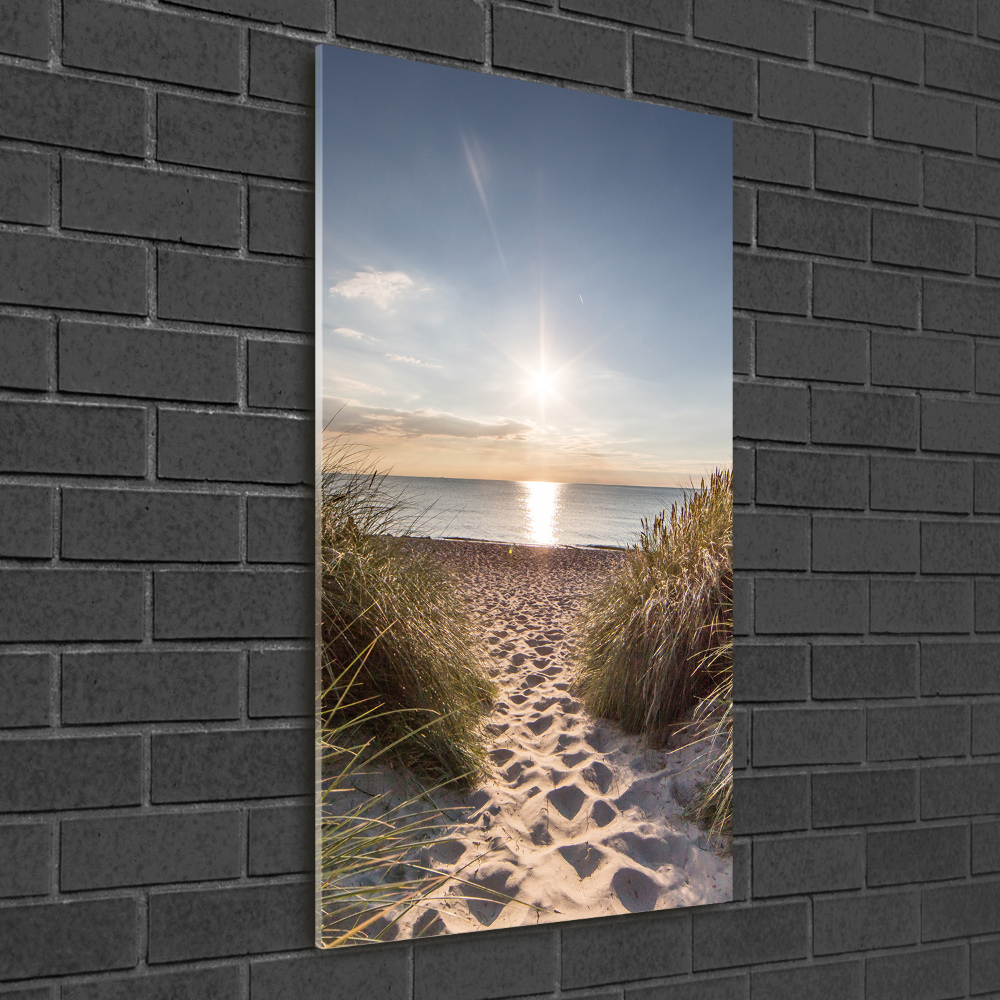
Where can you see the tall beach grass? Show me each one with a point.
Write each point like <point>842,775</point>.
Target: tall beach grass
<point>655,647</point>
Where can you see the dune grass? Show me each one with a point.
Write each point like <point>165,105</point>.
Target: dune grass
<point>655,648</point>
<point>394,610</point>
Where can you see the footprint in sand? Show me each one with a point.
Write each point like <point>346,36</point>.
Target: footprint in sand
<point>599,775</point>
<point>540,725</point>
<point>585,858</point>
<point>501,756</point>
<point>635,890</point>
<point>572,759</point>
<point>567,799</point>
<point>601,813</point>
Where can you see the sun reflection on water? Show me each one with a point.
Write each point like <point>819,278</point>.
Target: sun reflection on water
<point>541,503</point>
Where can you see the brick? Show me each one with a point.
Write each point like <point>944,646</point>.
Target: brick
<point>72,438</point>
<point>808,97</point>
<point>960,307</point>
<point>763,933</point>
<point>988,21</point>
<point>281,375</point>
<point>959,15</point>
<point>206,605</point>
<point>56,272</point>
<point>960,667</point>
<point>809,479</point>
<point>26,522</point>
<point>908,359</point>
<point>132,201</point>
<point>772,412</point>
<point>812,225</point>
<point>25,679</point>
<point>294,13</point>
<point>234,292</point>
<point>769,804</point>
<point>988,368</point>
<point>913,732</point>
<point>867,171</point>
<point>770,284</point>
<point>883,670</point>
<point>337,974</point>
<point>24,30</point>
<point>477,966</point>
<point>959,790</point>
<point>897,857</point>
<point>67,111</point>
<point>280,529</point>
<point>282,840</point>
<point>150,363</point>
<point>743,474</point>
<point>922,241</point>
<point>680,72</point>
<point>762,25</point>
<point>986,729</point>
<point>956,425</point>
<point>552,46</point>
<point>742,344</point>
<point>150,526</point>
<point>714,988</point>
<point>966,547</point>
<point>24,187</point>
<point>770,541</point>
<point>921,605</point>
<point>985,846</point>
<point>866,296</point>
<point>868,46</point>
<point>861,923</point>
<point>864,417</point>
<point>962,186</point>
<point>852,798</point>
<point>811,351</point>
<point>234,447</point>
<point>741,738</point>
<point>808,736</point>
<point>865,545</point>
<point>131,41</point>
<point>743,209</point>
<point>281,683</point>
<point>840,979</point>
<point>24,351</point>
<point>45,774</point>
<point>66,605</point>
<point>741,872</point>
<point>953,64</point>
<point>281,221</point>
<point>777,155</point>
<point>960,910</point>
<point>242,139</point>
<point>147,686</point>
<point>149,850</point>
<point>988,251</point>
<point>987,496</point>
<point>988,605</point>
<point>928,974</point>
<point>447,27</point>
<point>803,605</point>
<point>254,764</point>
<point>741,606</point>
<point>601,951</point>
<point>784,866</point>
<point>244,920</point>
<point>25,869</point>
<point>921,484</point>
<point>985,966</point>
<point>664,15</point>
<point>53,939</point>
<point>220,983</point>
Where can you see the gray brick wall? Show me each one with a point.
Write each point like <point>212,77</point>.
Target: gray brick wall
<point>155,501</point>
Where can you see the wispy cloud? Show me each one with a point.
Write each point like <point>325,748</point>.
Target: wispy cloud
<point>346,331</point>
<point>356,418</point>
<point>380,287</point>
<point>411,361</point>
<point>476,160</point>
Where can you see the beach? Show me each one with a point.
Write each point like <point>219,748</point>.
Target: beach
<point>577,818</point>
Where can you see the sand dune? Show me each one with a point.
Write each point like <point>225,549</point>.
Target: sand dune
<point>578,819</point>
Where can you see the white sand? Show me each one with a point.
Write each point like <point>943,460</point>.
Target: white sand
<point>578,819</point>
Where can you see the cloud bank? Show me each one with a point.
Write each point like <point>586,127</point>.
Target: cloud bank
<point>356,418</point>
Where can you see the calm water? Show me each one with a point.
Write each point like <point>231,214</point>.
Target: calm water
<point>534,513</point>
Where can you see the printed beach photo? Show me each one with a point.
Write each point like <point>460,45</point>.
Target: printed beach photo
<point>524,502</point>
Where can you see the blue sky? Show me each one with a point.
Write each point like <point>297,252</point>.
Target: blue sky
<point>522,281</point>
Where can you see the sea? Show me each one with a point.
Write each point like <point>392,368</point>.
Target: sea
<point>533,513</point>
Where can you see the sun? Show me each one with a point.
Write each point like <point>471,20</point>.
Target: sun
<point>542,383</point>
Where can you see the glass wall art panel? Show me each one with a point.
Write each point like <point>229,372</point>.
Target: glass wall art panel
<point>524,502</point>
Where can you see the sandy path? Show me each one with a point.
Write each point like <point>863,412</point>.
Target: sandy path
<point>578,819</point>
